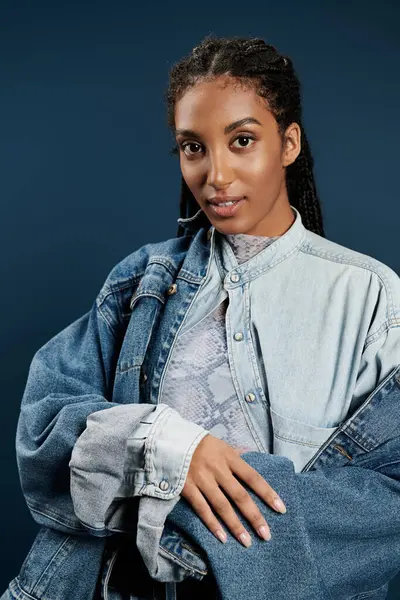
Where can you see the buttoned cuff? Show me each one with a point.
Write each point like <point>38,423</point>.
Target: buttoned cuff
<point>159,452</point>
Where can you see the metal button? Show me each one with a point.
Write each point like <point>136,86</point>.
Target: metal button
<point>164,485</point>
<point>250,397</point>
<point>235,277</point>
<point>172,289</point>
<point>144,377</point>
<point>238,336</point>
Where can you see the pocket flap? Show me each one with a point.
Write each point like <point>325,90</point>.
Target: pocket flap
<point>297,440</point>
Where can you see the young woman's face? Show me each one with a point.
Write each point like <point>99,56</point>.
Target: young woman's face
<point>219,159</point>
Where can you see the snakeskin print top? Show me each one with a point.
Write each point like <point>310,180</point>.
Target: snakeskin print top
<point>198,381</point>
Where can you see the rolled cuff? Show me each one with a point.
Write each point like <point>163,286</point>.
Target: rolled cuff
<point>159,452</point>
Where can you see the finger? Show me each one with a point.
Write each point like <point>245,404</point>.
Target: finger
<point>246,505</point>
<point>200,505</point>
<point>257,483</point>
<point>224,509</point>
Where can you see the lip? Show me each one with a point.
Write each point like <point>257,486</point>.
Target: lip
<point>226,211</point>
<point>221,199</point>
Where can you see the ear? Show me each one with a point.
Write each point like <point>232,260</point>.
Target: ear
<point>291,144</point>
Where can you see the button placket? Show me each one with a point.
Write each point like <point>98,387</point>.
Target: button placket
<point>244,370</point>
<point>238,355</point>
<point>242,354</point>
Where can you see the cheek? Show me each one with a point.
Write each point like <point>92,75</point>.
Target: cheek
<point>264,169</point>
<point>190,174</point>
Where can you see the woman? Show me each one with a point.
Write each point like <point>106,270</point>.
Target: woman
<point>249,332</point>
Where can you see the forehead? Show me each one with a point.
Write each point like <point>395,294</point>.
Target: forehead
<point>218,101</point>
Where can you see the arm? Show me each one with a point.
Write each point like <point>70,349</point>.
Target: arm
<point>66,403</point>
<point>344,523</point>
<point>69,379</point>
<point>130,450</point>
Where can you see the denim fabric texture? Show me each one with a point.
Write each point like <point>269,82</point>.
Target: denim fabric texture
<point>338,306</point>
<point>340,537</point>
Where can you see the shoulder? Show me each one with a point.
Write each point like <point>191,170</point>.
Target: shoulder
<point>170,253</point>
<point>329,251</point>
<point>113,299</point>
<point>369,272</point>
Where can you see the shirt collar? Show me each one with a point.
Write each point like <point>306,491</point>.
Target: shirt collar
<point>286,245</point>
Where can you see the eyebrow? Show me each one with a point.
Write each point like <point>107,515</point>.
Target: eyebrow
<point>228,128</point>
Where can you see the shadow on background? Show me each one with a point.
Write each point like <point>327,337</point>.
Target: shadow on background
<point>85,171</point>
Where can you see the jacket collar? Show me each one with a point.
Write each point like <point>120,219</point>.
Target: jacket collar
<point>194,223</point>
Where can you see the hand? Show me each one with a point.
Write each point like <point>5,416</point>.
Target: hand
<point>206,477</point>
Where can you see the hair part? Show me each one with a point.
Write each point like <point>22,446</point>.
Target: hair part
<point>252,63</point>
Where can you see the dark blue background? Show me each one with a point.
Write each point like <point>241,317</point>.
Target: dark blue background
<point>85,171</point>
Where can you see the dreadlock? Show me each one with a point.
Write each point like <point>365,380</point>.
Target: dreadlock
<point>257,64</point>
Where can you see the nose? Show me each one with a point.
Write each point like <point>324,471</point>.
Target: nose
<point>219,173</point>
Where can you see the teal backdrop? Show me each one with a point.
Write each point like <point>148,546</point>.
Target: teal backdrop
<point>85,171</point>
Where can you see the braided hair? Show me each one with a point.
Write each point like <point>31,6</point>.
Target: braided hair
<point>254,63</point>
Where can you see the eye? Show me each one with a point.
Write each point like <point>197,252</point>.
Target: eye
<point>187,145</point>
<point>245,137</point>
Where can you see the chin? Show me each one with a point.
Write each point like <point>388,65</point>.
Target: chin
<point>232,226</point>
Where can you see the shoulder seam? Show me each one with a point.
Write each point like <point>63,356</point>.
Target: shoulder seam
<point>385,327</point>
<point>335,257</point>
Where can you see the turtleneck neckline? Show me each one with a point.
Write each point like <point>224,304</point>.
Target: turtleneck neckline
<point>248,235</point>
<point>245,246</point>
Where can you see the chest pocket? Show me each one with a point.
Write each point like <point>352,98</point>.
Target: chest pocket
<point>296,440</point>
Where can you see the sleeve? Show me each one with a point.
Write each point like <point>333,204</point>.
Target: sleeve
<point>352,518</point>
<point>127,451</point>
<point>381,352</point>
<point>344,522</point>
<point>69,379</point>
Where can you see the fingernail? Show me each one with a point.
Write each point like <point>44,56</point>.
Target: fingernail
<point>245,539</point>
<point>278,504</point>
<point>264,532</point>
<point>221,535</point>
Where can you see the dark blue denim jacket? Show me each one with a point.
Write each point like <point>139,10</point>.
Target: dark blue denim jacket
<point>344,522</point>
